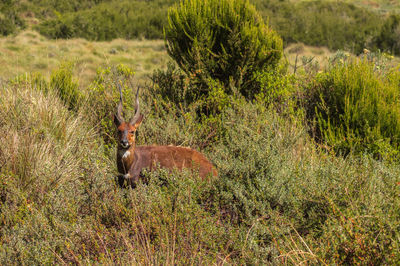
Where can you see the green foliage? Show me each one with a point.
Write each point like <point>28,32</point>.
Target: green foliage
<point>357,109</point>
<point>50,167</point>
<point>109,20</point>
<point>388,38</point>
<point>293,197</point>
<point>222,40</point>
<point>335,24</point>
<point>173,85</point>
<point>278,198</point>
<point>10,20</point>
<point>278,89</point>
<point>49,8</point>
<point>63,83</point>
<point>174,221</point>
<point>311,22</point>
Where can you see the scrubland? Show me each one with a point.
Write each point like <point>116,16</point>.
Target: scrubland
<point>279,197</point>
<point>306,143</point>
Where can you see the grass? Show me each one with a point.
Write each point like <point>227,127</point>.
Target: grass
<point>30,52</point>
<point>383,6</point>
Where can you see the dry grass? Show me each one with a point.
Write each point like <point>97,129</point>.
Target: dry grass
<point>30,52</point>
<point>382,6</point>
<point>317,55</point>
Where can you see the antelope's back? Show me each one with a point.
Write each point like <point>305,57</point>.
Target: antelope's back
<point>179,157</point>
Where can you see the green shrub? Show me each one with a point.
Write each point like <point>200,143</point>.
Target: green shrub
<point>172,84</point>
<point>388,38</point>
<point>51,172</point>
<point>66,87</point>
<point>222,40</point>
<point>295,203</point>
<point>356,109</point>
<point>335,24</point>
<point>109,20</point>
<point>278,89</point>
<point>10,20</point>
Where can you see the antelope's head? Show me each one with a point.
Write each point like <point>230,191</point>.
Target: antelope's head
<point>126,130</point>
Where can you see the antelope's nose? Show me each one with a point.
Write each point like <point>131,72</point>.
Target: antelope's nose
<point>124,143</point>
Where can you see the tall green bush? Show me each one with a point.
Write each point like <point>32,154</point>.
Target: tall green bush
<point>10,20</point>
<point>357,109</point>
<point>388,38</point>
<point>223,40</point>
<point>66,87</point>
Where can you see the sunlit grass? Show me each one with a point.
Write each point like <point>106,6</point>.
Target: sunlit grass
<point>30,52</point>
<point>380,5</point>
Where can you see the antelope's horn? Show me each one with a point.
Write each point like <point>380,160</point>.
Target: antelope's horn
<point>137,109</point>
<point>119,108</point>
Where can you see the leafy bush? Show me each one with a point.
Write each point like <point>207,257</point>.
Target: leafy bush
<point>357,109</point>
<point>278,89</point>
<point>222,40</point>
<point>173,85</point>
<point>388,38</point>
<point>109,20</point>
<point>62,82</point>
<point>10,20</point>
<point>49,8</point>
<point>335,24</point>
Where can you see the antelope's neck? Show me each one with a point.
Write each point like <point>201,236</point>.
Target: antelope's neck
<point>126,158</point>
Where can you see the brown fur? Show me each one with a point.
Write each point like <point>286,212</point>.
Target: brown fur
<point>169,157</point>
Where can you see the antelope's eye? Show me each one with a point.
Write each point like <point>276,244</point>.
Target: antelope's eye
<point>132,132</point>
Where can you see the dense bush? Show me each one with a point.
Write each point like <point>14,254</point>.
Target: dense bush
<point>335,24</point>
<point>223,40</point>
<point>174,85</point>
<point>10,20</point>
<point>50,165</point>
<point>65,86</point>
<point>278,198</point>
<point>109,20</point>
<point>49,8</point>
<point>278,89</point>
<point>356,108</point>
<point>290,196</point>
<point>388,38</point>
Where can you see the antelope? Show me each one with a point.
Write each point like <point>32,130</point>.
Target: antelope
<point>132,159</point>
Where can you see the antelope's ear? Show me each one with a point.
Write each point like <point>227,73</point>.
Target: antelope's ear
<point>138,121</point>
<point>117,120</point>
